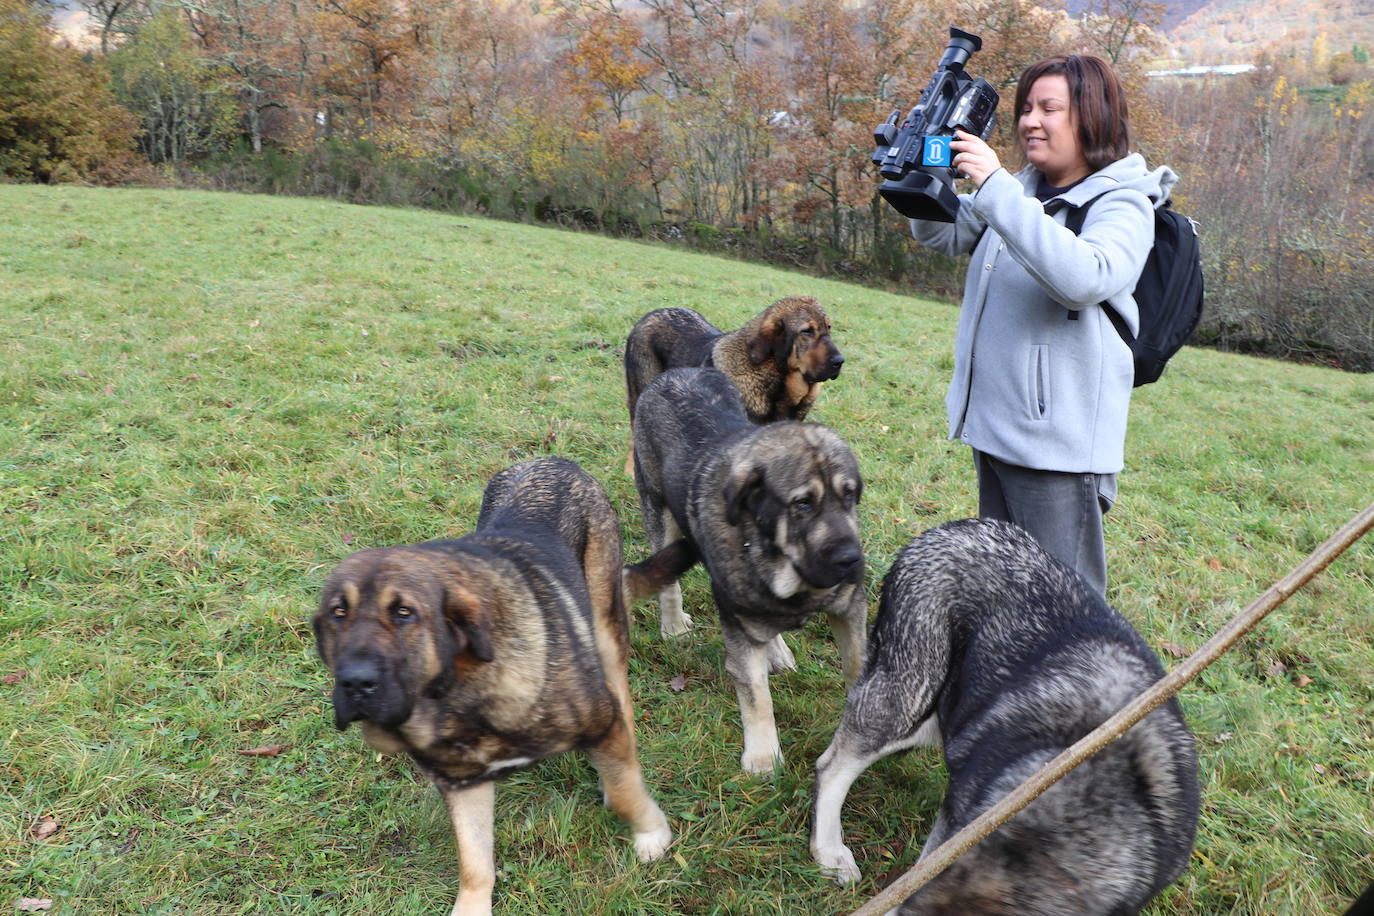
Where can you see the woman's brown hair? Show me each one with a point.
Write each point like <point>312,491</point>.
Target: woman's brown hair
<point>1098,100</point>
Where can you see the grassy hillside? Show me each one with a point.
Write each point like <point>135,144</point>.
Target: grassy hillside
<point>206,401</point>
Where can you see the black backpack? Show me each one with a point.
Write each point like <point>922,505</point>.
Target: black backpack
<point>1168,293</point>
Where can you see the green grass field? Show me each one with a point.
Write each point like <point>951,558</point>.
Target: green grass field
<point>207,400</point>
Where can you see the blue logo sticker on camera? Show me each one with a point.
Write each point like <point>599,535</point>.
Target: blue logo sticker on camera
<point>936,151</point>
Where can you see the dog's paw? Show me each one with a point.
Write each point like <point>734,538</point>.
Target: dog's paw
<point>672,619</point>
<point>651,844</point>
<point>761,763</point>
<point>478,904</point>
<point>837,862</point>
<point>780,657</point>
<point>676,625</point>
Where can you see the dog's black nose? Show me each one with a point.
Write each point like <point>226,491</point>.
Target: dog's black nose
<point>359,678</point>
<point>836,362</point>
<point>847,561</point>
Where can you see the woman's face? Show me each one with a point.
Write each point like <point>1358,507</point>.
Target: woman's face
<point>1048,129</point>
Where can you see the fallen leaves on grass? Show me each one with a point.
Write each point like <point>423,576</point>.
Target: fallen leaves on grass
<point>131,841</point>
<point>1302,680</point>
<point>1174,649</point>
<point>267,750</point>
<point>32,904</point>
<point>14,678</point>
<point>45,827</point>
<point>678,683</point>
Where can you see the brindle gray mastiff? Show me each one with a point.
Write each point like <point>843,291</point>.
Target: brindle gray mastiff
<point>986,645</point>
<point>483,655</point>
<point>771,511</point>
<point>777,360</point>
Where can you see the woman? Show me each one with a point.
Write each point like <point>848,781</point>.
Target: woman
<point>1042,379</point>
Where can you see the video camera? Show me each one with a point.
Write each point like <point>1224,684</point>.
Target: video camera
<point>915,158</point>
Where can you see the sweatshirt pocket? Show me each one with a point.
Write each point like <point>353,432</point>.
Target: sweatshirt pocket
<point>1038,382</point>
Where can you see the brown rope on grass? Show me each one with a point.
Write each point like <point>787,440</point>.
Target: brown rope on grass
<point>943,856</point>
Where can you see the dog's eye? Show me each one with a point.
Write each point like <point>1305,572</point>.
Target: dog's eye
<point>339,611</point>
<point>808,332</point>
<point>801,506</point>
<point>403,611</point>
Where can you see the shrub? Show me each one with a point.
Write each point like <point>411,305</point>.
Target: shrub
<point>58,118</point>
<point>183,100</point>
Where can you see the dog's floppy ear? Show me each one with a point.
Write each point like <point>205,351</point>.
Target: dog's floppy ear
<point>465,607</point>
<point>740,486</point>
<point>771,341</point>
<point>782,345</point>
<point>317,624</point>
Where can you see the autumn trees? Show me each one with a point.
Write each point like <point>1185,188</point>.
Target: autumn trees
<point>1280,175</point>
<point>754,114</point>
<point>184,100</point>
<point>745,124</point>
<point>58,118</point>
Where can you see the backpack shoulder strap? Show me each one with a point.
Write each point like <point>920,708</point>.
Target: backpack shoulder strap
<point>1073,221</point>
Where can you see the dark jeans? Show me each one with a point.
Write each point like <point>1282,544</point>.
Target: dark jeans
<point>1062,511</point>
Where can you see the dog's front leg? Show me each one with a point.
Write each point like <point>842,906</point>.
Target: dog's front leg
<point>471,811</point>
<point>672,619</point>
<point>890,709</point>
<point>850,629</point>
<point>836,771</point>
<point>747,662</point>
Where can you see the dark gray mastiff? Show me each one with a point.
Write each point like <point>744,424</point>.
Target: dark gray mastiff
<point>771,512</point>
<point>987,645</point>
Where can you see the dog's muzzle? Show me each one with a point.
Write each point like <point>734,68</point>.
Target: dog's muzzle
<point>843,562</point>
<point>831,370</point>
<point>362,690</point>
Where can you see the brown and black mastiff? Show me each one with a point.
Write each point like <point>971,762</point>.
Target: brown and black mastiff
<point>777,361</point>
<point>771,511</point>
<point>483,655</point>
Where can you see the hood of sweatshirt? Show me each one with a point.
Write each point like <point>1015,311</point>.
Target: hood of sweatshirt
<point>1130,172</point>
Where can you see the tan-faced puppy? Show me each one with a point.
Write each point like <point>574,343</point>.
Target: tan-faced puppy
<point>778,360</point>
<point>771,511</point>
<point>483,655</point>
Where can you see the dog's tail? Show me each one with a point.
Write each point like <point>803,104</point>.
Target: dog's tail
<point>644,579</point>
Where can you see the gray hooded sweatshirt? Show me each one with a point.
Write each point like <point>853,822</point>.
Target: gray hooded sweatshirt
<point>1041,377</point>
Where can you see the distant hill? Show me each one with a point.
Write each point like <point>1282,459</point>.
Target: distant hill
<point>1175,11</point>
<point>1198,31</point>
<point>1234,31</point>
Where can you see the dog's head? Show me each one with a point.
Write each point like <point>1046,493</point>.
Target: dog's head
<point>794,491</point>
<point>398,623</point>
<point>795,334</point>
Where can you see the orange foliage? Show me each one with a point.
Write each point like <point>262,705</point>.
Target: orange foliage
<point>603,66</point>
